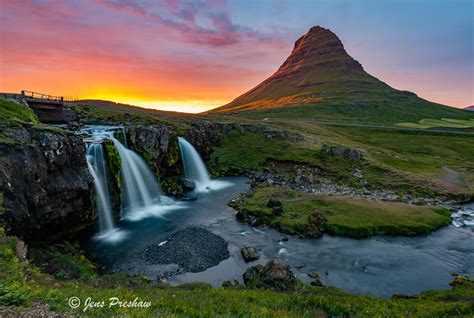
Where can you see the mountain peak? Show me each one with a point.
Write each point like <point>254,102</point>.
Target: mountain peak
<point>319,79</point>
<point>318,46</point>
<point>317,69</point>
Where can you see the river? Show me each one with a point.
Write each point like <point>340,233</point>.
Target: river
<point>380,265</point>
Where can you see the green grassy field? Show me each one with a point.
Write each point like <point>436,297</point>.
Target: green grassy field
<point>424,154</point>
<point>22,285</point>
<point>363,109</point>
<point>347,216</point>
<point>442,123</point>
<point>400,160</point>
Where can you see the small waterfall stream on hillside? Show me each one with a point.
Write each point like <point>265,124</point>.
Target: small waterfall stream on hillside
<point>195,169</point>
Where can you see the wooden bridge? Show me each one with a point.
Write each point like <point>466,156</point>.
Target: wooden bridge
<point>45,98</point>
<point>48,108</point>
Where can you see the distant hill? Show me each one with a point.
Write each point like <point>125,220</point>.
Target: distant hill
<point>321,80</point>
<point>470,108</point>
<point>106,104</point>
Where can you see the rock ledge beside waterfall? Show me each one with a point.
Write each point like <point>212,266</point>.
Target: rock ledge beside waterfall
<point>45,183</point>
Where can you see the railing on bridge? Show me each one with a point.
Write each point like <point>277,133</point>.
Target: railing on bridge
<point>45,97</point>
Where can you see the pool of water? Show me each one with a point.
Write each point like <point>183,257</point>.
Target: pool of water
<point>379,265</point>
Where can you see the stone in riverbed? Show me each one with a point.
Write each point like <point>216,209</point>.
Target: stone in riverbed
<point>252,273</point>
<point>274,275</point>
<point>249,254</point>
<point>189,198</point>
<point>315,282</point>
<point>189,185</point>
<point>230,283</point>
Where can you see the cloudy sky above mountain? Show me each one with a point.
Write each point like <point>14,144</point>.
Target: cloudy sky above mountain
<point>194,55</point>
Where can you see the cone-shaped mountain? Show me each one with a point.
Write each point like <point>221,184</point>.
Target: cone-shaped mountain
<point>320,73</point>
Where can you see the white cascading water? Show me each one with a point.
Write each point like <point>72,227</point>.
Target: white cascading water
<point>140,188</point>
<point>195,169</point>
<point>98,169</point>
<point>141,194</point>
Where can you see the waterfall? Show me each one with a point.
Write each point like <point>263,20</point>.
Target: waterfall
<point>141,195</point>
<point>195,169</point>
<point>98,169</point>
<point>140,189</point>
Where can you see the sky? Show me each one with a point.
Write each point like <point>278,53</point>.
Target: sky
<point>194,55</point>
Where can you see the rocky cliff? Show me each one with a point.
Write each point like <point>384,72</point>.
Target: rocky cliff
<point>46,185</point>
<point>158,145</point>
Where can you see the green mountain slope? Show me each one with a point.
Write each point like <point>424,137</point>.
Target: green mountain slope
<point>319,80</point>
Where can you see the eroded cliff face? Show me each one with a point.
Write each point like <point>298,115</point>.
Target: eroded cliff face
<point>158,145</point>
<point>47,188</point>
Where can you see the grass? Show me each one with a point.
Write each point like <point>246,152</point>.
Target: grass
<point>348,216</point>
<point>22,284</point>
<point>249,152</point>
<point>405,162</point>
<point>103,112</point>
<point>423,153</point>
<point>13,113</point>
<point>441,123</point>
<point>364,108</point>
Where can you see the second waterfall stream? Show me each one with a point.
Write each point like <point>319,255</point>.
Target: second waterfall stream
<point>195,169</point>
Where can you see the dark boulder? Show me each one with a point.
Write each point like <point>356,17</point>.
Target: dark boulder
<point>245,216</point>
<point>461,280</point>
<point>189,185</point>
<point>274,275</point>
<point>253,221</point>
<point>249,254</point>
<point>252,274</point>
<point>316,281</point>
<point>230,283</point>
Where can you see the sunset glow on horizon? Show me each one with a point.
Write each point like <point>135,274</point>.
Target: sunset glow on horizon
<point>191,56</point>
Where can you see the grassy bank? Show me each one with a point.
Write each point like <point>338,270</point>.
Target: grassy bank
<point>22,286</point>
<point>12,113</point>
<point>341,215</point>
<point>421,163</point>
